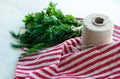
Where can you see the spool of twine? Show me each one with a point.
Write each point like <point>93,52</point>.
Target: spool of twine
<point>97,30</point>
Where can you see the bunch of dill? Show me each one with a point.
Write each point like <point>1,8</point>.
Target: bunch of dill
<point>44,29</point>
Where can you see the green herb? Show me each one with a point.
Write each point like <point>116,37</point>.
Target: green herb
<point>46,28</point>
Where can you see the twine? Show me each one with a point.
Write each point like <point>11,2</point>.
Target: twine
<point>97,30</point>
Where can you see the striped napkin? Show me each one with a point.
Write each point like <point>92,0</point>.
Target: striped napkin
<point>67,61</point>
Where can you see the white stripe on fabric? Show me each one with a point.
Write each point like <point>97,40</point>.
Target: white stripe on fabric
<point>67,49</point>
<point>74,41</point>
<point>92,60</point>
<point>51,71</point>
<point>115,75</point>
<point>48,53</point>
<point>40,65</point>
<point>115,39</point>
<point>108,46</point>
<point>84,51</point>
<point>40,59</point>
<point>117,30</point>
<point>34,76</point>
<point>77,60</point>
<point>43,74</point>
<point>116,35</point>
<point>95,65</point>
<point>107,73</point>
<point>66,60</point>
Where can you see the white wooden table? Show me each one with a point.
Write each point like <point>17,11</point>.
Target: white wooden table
<point>13,11</point>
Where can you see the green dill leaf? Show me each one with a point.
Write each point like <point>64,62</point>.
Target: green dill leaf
<point>19,45</point>
<point>14,35</point>
<point>45,29</point>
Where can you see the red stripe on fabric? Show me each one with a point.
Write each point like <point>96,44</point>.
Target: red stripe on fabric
<point>116,32</point>
<point>115,39</point>
<point>47,72</point>
<point>102,46</point>
<point>51,54</point>
<point>110,48</point>
<point>87,59</point>
<point>108,76</point>
<point>53,68</point>
<point>117,27</point>
<point>75,57</point>
<point>66,55</point>
<point>78,63</point>
<point>39,75</point>
<point>34,64</point>
<point>65,49</point>
<point>53,49</point>
<point>20,72</point>
<point>18,77</point>
<point>117,72</point>
<point>44,61</point>
<point>41,52</point>
<point>30,77</point>
<point>68,77</point>
<point>98,67</point>
<point>69,48</point>
<point>73,43</point>
<point>105,64</point>
<point>78,42</point>
<point>116,36</point>
<point>44,55</point>
<point>116,77</point>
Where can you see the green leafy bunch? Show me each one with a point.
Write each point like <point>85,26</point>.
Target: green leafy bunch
<point>44,29</point>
